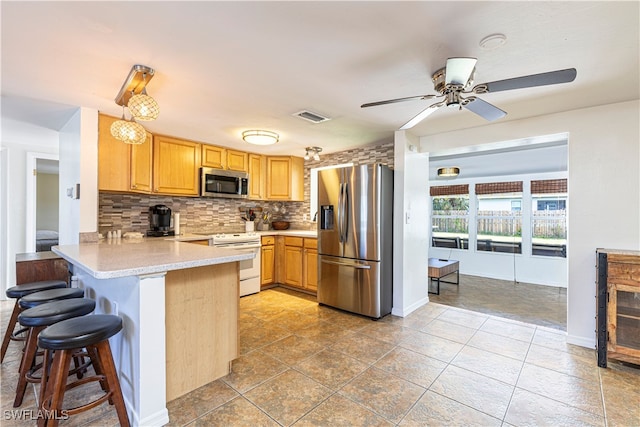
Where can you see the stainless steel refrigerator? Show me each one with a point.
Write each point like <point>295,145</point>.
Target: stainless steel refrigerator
<point>355,232</point>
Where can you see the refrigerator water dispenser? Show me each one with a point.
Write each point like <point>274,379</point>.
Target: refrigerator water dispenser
<point>326,217</point>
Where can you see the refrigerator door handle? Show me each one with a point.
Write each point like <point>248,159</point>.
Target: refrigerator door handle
<point>340,213</point>
<point>346,264</point>
<point>345,219</point>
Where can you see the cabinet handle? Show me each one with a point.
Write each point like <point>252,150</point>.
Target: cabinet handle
<point>134,187</point>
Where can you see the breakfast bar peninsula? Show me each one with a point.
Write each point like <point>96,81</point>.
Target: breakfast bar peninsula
<point>179,305</point>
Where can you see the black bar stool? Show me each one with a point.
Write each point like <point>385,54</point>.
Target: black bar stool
<point>37,298</point>
<point>64,338</point>
<point>18,292</point>
<point>38,318</point>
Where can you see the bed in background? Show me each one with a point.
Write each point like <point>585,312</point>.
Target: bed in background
<point>45,239</point>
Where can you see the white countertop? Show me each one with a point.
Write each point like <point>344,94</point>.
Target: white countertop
<point>132,257</point>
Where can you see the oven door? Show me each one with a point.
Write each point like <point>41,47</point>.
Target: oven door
<point>249,268</point>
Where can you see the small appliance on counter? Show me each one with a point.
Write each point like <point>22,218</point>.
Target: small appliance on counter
<point>160,221</point>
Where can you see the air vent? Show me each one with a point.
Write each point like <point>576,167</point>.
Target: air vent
<point>311,117</point>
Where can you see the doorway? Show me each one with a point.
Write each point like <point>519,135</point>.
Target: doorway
<point>42,220</point>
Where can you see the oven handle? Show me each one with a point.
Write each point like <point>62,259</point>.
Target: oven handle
<point>232,246</point>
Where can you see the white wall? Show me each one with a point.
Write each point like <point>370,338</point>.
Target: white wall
<point>18,138</point>
<point>604,189</point>
<point>410,229</point>
<point>79,165</point>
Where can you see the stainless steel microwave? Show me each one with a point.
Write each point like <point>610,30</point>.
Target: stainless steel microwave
<point>223,183</point>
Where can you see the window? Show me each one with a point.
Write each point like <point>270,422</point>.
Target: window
<point>549,218</point>
<point>450,216</point>
<point>499,217</point>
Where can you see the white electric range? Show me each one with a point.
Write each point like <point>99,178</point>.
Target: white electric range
<point>249,269</point>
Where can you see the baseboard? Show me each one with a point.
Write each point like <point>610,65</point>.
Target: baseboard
<point>589,343</point>
<point>410,309</point>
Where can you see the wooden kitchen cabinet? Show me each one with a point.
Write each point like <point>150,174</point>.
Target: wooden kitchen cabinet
<point>285,178</point>
<point>257,176</point>
<point>310,265</point>
<point>267,261</point>
<point>122,167</point>
<point>293,261</point>
<point>214,157</point>
<point>142,166</point>
<point>237,161</point>
<point>176,164</point>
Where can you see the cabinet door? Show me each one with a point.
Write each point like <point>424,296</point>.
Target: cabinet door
<point>293,266</point>
<point>114,162</point>
<point>310,267</point>
<point>175,166</point>
<point>237,161</point>
<point>257,175</point>
<point>142,165</point>
<point>267,264</point>
<point>285,178</point>
<point>213,157</point>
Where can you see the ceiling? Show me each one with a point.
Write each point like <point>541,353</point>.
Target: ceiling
<point>225,67</point>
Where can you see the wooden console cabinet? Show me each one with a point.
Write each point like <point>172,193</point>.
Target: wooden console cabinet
<point>37,266</point>
<point>618,306</point>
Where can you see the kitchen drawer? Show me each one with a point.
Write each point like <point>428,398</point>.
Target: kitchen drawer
<point>268,240</point>
<point>311,243</point>
<point>293,241</point>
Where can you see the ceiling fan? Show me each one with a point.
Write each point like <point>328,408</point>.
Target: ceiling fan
<point>454,81</point>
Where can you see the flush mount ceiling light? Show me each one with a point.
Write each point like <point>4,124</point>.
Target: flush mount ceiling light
<point>312,153</point>
<point>133,94</point>
<point>260,137</point>
<point>448,172</point>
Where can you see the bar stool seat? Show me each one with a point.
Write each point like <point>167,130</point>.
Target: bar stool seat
<point>18,292</point>
<point>37,298</point>
<point>38,318</point>
<point>93,333</point>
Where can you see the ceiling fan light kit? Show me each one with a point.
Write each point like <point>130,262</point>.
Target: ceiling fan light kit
<point>455,80</point>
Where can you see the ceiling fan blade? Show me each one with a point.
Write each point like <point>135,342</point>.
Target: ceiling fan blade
<point>484,109</point>
<point>391,101</point>
<point>533,80</point>
<point>459,70</point>
<point>422,115</point>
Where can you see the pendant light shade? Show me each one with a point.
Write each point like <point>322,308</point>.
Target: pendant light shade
<point>143,107</point>
<point>129,132</point>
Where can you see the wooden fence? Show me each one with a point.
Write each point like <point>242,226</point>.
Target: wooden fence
<point>546,224</point>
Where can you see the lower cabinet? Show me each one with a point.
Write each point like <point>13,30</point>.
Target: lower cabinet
<point>291,261</point>
<point>267,261</point>
<point>310,265</point>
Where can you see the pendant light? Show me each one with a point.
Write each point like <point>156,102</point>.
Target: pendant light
<point>312,153</point>
<point>116,127</point>
<point>142,106</point>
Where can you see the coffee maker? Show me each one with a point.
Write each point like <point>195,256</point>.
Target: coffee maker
<point>160,221</point>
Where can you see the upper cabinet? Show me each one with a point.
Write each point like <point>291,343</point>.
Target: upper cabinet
<point>257,176</point>
<point>213,157</point>
<point>285,178</point>
<point>237,161</point>
<point>176,163</point>
<point>122,167</point>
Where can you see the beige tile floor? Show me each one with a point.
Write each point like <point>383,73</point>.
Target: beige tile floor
<point>308,365</point>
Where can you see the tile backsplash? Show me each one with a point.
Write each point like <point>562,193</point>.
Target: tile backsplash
<point>130,212</point>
